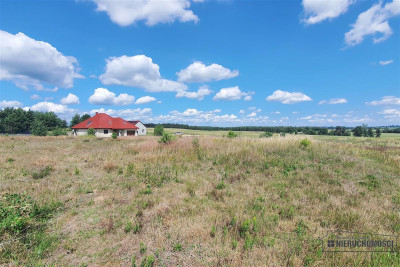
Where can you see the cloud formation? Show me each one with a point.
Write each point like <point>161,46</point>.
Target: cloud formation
<point>320,10</point>
<point>138,71</point>
<point>10,104</point>
<point>70,99</point>
<point>127,114</point>
<point>373,22</point>
<point>391,113</point>
<point>198,72</point>
<point>287,97</point>
<point>231,93</point>
<point>128,12</point>
<point>30,63</point>
<point>386,100</point>
<point>387,62</point>
<point>50,106</point>
<point>145,100</point>
<point>333,101</point>
<point>102,96</point>
<point>199,95</point>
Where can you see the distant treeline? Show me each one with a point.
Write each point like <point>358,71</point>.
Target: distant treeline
<point>338,130</point>
<point>391,130</point>
<point>19,121</point>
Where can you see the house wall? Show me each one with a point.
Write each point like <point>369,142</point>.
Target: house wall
<point>81,131</point>
<point>100,132</point>
<point>142,128</point>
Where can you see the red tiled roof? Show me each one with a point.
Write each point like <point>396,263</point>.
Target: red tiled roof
<point>104,121</point>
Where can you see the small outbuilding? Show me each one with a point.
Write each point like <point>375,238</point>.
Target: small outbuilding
<point>104,125</point>
<point>140,125</point>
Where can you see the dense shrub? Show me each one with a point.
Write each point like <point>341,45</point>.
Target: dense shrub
<point>305,143</point>
<point>59,131</point>
<point>114,135</point>
<point>158,130</point>
<point>166,138</point>
<point>266,134</point>
<point>91,131</point>
<point>232,134</point>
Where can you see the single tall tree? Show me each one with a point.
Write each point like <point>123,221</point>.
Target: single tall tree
<point>84,117</point>
<point>378,132</point>
<point>75,120</point>
<point>370,133</point>
<point>358,131</point>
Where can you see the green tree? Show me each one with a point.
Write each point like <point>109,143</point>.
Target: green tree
<point>16,121</point>
<point>75,120</point>
<point>114,135</point>
<point>38,128</point>
<point>378,132</point>
<point>358,131</point>
<point>50,120</point>
<point>158,130</point>
<point>370,133</point>
<point>84,117</point>
<point>364,130</point>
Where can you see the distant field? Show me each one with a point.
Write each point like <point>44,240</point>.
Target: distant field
<point>205,133</point>
<point>257,134</point>
<point>205,201</point>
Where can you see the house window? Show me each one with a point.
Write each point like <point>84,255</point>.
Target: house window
<point>142,130</point>
<point>105,131</point>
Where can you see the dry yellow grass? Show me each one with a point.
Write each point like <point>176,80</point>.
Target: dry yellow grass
<point>188,204</point>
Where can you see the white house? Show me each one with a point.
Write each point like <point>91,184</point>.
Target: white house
<point>104,125</point>
<point>140,125</point>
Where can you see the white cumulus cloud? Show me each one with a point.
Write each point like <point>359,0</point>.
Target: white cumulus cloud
<point>199,95</point>
<point>152,12</point>
<point>386,100</point>
<point>138,71</point>
<point>320,10</point>
<point>387,62</point>
<point>145,100</point>
<point>30,63</point>
<point>231,93</point>
<point>333,101</point>
<point>198,72</point>
<point>103,96</point>
<point>35,97</point>
<point>70,99</point>
<point>10,104</point>
<point>287,97</point>
<point>373,22</point>
<point>127,114</point>
<point>50,106</point>
<point>391,113</point>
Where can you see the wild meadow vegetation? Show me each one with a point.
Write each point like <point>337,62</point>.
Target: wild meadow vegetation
<point>195,201</point>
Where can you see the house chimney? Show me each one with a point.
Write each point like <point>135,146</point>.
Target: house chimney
<point>97,113</point>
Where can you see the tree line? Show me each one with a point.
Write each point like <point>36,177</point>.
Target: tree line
<point>20,121</point>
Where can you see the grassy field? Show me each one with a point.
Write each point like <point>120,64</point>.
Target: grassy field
<point>198,201</point>
<point>187,132</point>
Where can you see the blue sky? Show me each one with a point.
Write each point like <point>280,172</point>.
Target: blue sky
<point>322,63</point>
